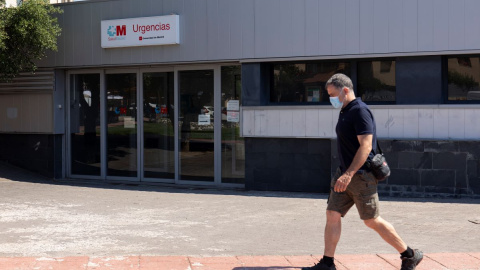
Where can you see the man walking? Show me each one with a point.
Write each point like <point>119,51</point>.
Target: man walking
<point>353,183</point>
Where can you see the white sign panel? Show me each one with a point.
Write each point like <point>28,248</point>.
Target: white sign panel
<point>129,122</point>
<point>233,105</point>
<point>203,119</point>
<point>145,31</point>
<point>233,117</point>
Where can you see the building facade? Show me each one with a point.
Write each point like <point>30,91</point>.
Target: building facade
<point>237,98</point>
<point>15,3</point>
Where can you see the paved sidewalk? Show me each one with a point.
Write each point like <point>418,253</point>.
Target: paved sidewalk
<point>434,261</point>
<point>71,225</point>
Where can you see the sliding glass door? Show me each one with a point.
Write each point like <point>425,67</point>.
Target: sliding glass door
<point>173,124</point>
<point>84,131</point>
<point>196,125</point>
<point>122,124</point>
<point>158,126</point>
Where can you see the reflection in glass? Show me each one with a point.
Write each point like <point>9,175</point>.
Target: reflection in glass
<point>196,125</point>
<point>304,81</point>
<point>376,80</point>
<point>159,160</point>
<point>85,124</point>
<point>464,78</point>
<point>122,124</point>
<point>233,146</point>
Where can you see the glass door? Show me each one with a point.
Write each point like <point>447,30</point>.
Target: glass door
<point>122,141</point>
<point>158,126</point>
<point>196,121</point>
<point>84,125</point>
<point>168,124</point>
<point>233,146</point>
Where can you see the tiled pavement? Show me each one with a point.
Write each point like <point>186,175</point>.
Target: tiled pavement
<point>432,261</point>
<point>435,261</point>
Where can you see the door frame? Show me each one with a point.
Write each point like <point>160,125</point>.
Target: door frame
<point>141,171</point>
<point>104,126</point>
<point>216,127</point>
<point>139,71</point>
<point>68,140</point>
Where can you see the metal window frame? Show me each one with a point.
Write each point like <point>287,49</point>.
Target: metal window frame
<point>139,71</point>
<point>68,149</point>
<point>135,71</point>
<point>164,69</point>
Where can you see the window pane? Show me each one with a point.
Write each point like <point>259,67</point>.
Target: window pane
<point>305,81</point>
<point>122,124</point>
<point>85,124</point>
<point>463,78</point>
<point>376,80</point>
<point>233,146</point>
<point>159,158</point>
<point>196,123</point>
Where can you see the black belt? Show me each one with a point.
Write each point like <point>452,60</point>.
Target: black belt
<point>361,172</point>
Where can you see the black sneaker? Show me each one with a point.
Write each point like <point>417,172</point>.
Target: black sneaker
<point>411,263</point>
<point>321,266</point>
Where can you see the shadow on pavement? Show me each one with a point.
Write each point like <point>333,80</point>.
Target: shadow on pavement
<point>267,268</point>
<point>13,173</point>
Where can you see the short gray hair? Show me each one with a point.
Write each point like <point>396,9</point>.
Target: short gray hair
<point>340,81</point>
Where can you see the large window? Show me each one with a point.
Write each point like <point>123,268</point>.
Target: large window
<point>85,124</point>
<point>304,82</point>
<point>122,124</point>
<point>233,145</point>
<point>463,78</point>
<point>376,81</point>
<point>197,125</point>
<point>158,128</point>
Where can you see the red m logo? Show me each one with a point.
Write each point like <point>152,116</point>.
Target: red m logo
<point>121,30</point>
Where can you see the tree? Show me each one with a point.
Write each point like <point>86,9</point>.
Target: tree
<point>26,33</point>
<point>2,26</point>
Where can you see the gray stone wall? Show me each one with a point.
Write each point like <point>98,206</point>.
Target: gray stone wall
<point>41,153</point>
<point>432,168</point>
<point>287,164</point>
<point>419,168</point>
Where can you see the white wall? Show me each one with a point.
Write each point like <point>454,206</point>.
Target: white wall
<point>252,30</point>
<point>460,122</point>
<point>26,113</point>
<point>26,103</point>
<point>14,3</point>
<point>11,3</point>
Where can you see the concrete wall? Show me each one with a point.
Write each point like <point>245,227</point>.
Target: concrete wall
<point>26,113</point>
<point>287,164</point>
<point>217,30</point>
<point>418,168</point>
<point>41,153</point>
<point>432,168</point>
<point>459,122</point>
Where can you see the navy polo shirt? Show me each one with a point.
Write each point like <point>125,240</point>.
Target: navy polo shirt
<point>354,119</point>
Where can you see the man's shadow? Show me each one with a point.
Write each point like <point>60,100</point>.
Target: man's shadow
<point>268,268</point>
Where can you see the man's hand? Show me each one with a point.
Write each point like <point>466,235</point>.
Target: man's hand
<point>342,183</point>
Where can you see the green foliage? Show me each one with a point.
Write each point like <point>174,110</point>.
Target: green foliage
<point>26,33</point>
<point>464,81</point>
<point>289,81</point>
<point>2,26</point>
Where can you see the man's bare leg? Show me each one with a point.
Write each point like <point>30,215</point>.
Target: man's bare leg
<point>387,232</point>
<point>333,230</point>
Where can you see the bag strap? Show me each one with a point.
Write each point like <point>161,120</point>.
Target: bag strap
<point>378,145</point>
<point>378,148</point>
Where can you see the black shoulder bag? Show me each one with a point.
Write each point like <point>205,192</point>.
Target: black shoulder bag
<point>378,165</point>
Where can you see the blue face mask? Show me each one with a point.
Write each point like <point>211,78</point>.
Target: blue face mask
<point>336,103</point>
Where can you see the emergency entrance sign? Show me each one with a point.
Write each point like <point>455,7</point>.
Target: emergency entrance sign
<point>145,31</point>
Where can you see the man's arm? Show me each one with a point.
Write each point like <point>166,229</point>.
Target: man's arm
<point>358,161</point>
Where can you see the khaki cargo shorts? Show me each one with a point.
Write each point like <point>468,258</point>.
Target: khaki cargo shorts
<point>362,191</point>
